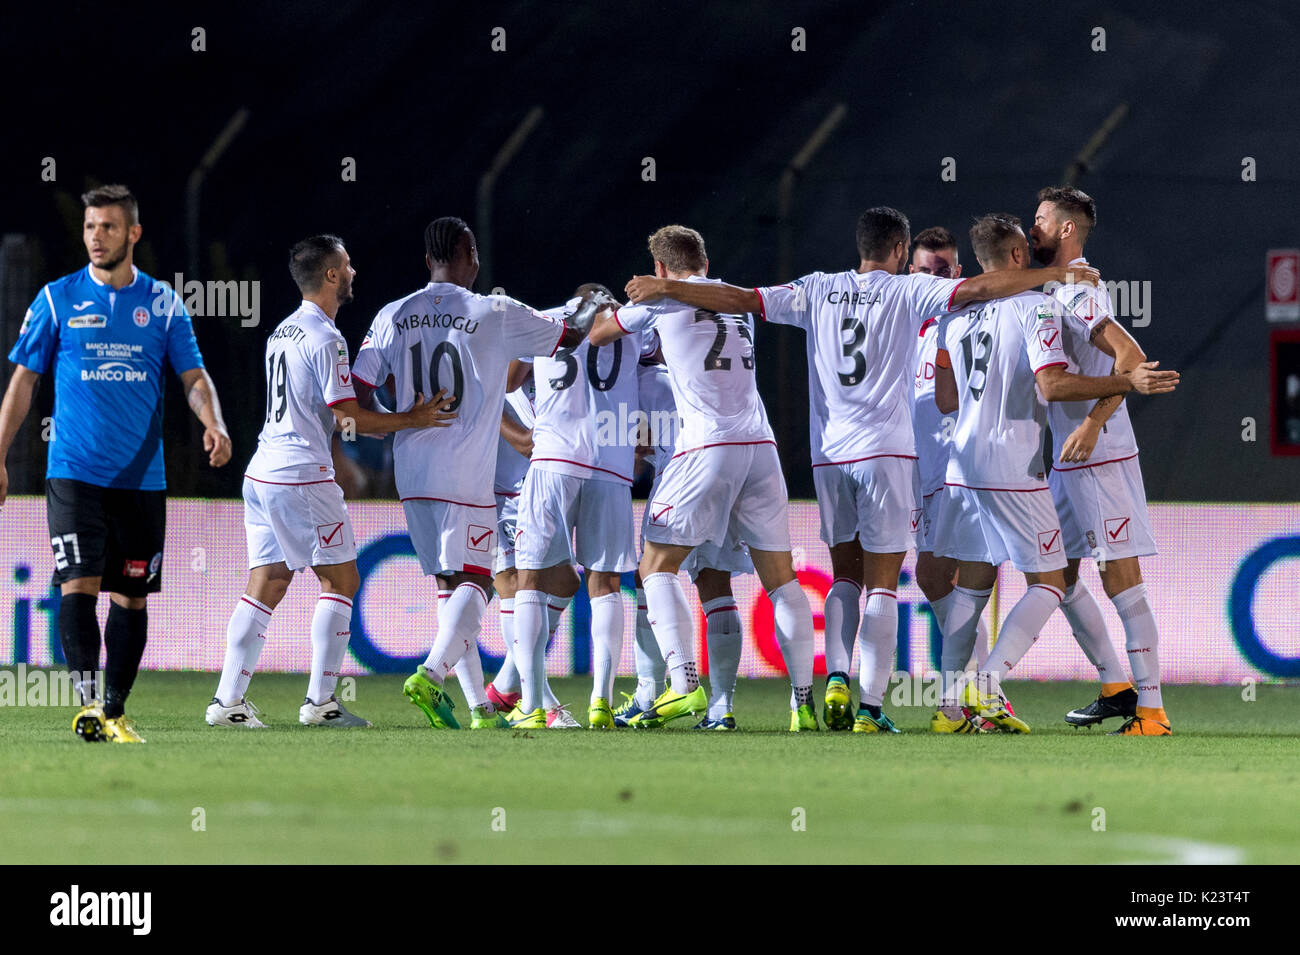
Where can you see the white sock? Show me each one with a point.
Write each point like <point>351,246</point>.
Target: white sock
<point>245,637</point>
<point>724,639</point>
<point>607,643</point>
<point>507,678</point>
<point>982,646</point>
<point>650,669</point>
<point>530,646</point>
<point>1023,625</point>
<point>841,618</point>
<point>469,671</point>
<point>460,617</point>
<point>331,629</point>
<point>1089,626</point>
<point>670,618</point>
<point>555,607</point>
<point>1143,643</point>
<point>792,616</point>
<point>962,614</point>
<point>877,641</point>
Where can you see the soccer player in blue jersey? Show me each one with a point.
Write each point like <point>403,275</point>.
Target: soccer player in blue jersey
<point>108,331</point>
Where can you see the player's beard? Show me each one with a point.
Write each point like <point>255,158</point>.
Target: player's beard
<point>1044,253</point>
<point>345,293</point>
<point>115,260</point>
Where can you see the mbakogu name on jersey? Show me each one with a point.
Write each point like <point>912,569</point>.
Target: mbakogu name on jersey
<point>445,320</point>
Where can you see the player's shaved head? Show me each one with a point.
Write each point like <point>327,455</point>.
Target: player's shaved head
<point>880,229</point>
<point>592,288</point>
<point>994,236</point>
<point>679,248</point>
<point>442,237</point>
<point>311,258</point>
<point>114,195</point>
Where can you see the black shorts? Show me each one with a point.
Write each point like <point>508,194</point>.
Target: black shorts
<point>113,533</point>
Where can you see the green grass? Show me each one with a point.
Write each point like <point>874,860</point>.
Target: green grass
<point>1223,789</point>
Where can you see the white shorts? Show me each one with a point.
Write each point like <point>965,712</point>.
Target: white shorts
<point>1103,511</point>
<point>926,536</point>
<point>552,507</point>
<point>732,557</point>
<point>876,501</point>
<point>994,527</point>
<point>735,489</point>
<point>507,513</point>
<point>452,538</point>
<point>301,525</point>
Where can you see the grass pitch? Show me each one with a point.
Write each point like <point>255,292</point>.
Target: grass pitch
<point>1223,789</point>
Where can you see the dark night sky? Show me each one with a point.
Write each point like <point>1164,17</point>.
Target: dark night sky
<point>714,93</point>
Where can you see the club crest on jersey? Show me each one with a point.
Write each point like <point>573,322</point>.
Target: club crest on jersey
<point>141,316</point>
<point>88,321</point>
<point>155,565</point>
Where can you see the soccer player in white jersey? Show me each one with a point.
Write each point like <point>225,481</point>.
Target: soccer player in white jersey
<point>998,506</point>
<point>1096,480</point>
<point>446,336</point>
<point>934,252</point>
<point>724,478</point>
<point>578,488</point>
<point>861,327</point>
<point>709,566</point>
<point>294,513</point>
<point>513,452</point>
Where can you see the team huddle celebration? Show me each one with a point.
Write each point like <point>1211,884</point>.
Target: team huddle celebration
<point>978,420</point>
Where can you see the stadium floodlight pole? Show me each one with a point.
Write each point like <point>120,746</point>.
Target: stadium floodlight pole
<point>785,191</point>
<point>487,185</point>
<point>194,186</point>
<point>1083,161</point>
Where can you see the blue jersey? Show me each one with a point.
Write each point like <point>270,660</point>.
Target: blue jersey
<point>109,348</point>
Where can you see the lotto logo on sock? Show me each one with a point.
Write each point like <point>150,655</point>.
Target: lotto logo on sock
<point>330,535</point>
<point>1049,542</point>
<point>659,514</point>
<point>1117,530</point>
<point>478,538</point>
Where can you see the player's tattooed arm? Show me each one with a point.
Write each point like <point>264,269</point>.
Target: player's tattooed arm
<point>201,394</point>
<point>712,296</point>
<point>1006,282</point>
<point>423,414</point>
<point>1057,384</point>
<point>516,435</point>
<point>1115,341</point>
<point>17,402</point>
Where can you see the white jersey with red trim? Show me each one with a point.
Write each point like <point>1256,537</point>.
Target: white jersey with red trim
<point>710,361</point>
<point>1086,307</point>
<point>655,393</point>
<point>933,438</point>
<point>512,467</point>
<point>995,350</point>
<point>862,329</point>
<point>447,337</point>
<point>585,399</point>
<point>307,371</point>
